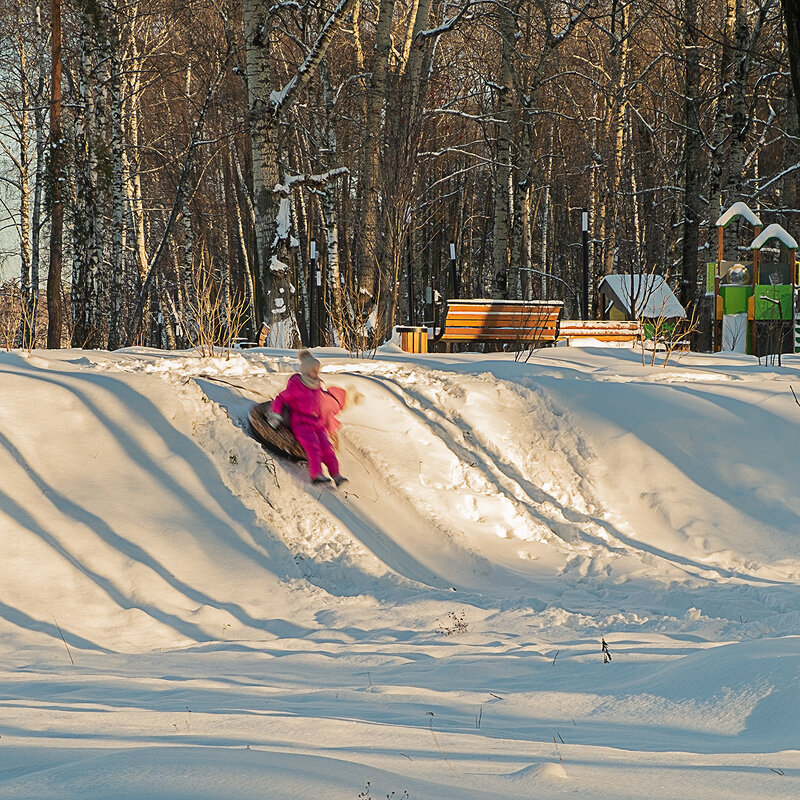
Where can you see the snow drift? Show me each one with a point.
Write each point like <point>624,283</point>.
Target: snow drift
<point>183,615</point>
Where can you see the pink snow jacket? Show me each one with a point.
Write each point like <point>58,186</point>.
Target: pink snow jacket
<point>331,403</point>
<point>303,402</point>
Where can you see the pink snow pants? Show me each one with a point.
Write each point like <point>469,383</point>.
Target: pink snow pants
<point>315,442</point>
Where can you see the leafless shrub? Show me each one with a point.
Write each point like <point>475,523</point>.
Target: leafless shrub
<point>214,319</point>
<point>366,794</point>
<point>457,623</point>
<point>535,325</point>
<point>667,335</point>
<point>356,322</point>
<point>17,317</point>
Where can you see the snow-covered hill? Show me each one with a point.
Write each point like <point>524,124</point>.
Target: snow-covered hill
<point>184,616</point>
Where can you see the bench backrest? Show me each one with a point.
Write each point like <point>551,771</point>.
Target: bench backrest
<point>502,320</point>
<point>604,330</point>
<point>263,332</point>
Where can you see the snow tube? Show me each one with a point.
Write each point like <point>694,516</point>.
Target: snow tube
<point>280,441</point>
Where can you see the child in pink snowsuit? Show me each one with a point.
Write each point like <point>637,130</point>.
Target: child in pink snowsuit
<point>303,397</point>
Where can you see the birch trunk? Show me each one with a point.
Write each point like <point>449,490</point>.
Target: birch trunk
<point>738,120</point>
<point>596,221</point>
<point>520,182</point>
<point>82,213</point>
<point>264,152</point>
<point>415,80</point>
<point>22,163</point>
<point>417,73</point>
<point>791,16</point>
<point>98,144</point>
<point>134,180</point>
<point>545,227</point>
<point>375,109</point>
<point>240,191</point>
<point>718,178</point>
<point>118,190</point>
<point>615,135</point>
<point>502,183</point>
<point>38,191</point>
<point>333,277</point>
<point>692,154</point>
<point>55,314</point>
<point>265,109</point>
<point>186,213</point>
<point>89,278</point>
<point>790,190</point>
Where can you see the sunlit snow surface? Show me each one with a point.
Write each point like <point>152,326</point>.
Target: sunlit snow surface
<point>184,616</point>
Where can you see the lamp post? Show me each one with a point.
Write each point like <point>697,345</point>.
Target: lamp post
<point>322,321</point>
<point>585,231</point>
<point>453,272</point>
<point>313,282</point>
<point>410,276</point>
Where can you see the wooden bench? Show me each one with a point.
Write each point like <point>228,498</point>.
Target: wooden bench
<point>524,323</point>
<point>603,330</point>
<point>244,344</point>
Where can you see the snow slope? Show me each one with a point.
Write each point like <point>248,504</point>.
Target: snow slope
<point>183,615</point>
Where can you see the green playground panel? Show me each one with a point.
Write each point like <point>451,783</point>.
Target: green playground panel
<point>734,299</point>
<point>666,328</point>
<point>711,274</point>
<point>765,310</point>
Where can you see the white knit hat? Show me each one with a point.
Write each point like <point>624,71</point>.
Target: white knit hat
<point>307,362</point>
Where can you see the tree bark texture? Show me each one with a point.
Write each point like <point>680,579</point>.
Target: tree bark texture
<point>54,306</point>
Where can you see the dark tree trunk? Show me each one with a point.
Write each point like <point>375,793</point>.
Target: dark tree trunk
<point>791,16</point>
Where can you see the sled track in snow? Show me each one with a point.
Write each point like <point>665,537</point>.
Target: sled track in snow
<point>572,530</point>
<point>570,515</point>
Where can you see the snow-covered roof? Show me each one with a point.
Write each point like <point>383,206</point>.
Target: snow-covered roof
<point>738,210</point>
<point>774,231</point>
<point>651,295</point>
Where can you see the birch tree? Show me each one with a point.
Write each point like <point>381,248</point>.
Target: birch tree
<point>692,153</point>
<point>267,106</point>
<point>55,181</point>
<point>791,16</point>
<point>507,29</point>
<point>89,276</point>
<point>374,113</point>
<point>23,141</point>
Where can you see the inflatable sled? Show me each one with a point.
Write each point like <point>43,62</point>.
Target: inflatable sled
<point>280,441</point>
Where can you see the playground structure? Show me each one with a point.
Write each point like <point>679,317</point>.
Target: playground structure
<point>755,306</point>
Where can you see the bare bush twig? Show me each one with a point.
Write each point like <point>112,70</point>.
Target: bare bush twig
<point>64,640</point>
<point>606,652</point>
<point>436,742</point>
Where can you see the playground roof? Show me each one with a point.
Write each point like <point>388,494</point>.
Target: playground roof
<point>737,210</point>
<point>774,231</point>
<point>651,295</point>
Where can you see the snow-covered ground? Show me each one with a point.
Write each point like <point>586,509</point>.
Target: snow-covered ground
<point>184,616</point>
